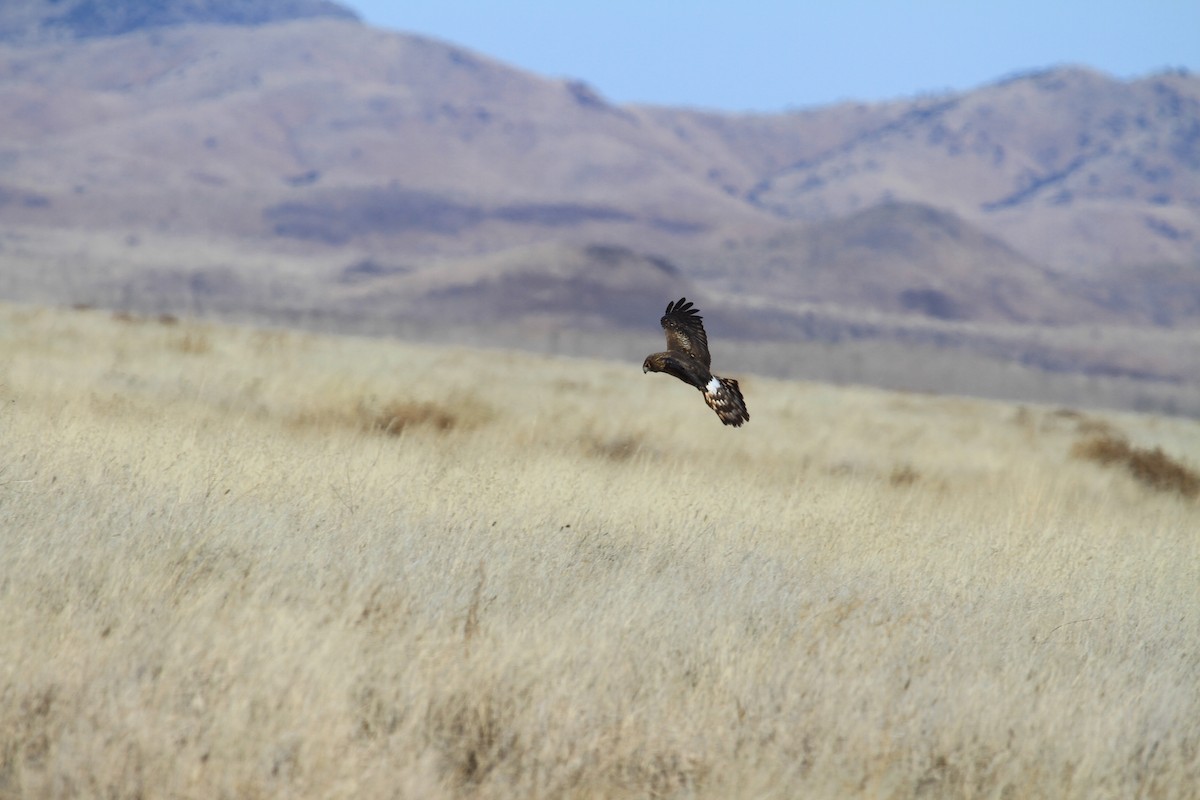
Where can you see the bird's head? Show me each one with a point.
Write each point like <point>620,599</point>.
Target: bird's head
<point>646,366</point>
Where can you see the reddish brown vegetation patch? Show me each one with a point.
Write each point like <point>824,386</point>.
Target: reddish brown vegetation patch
<point>620,448</point>
<point>396,417</point>
<point>1152,467</point>
<point>191,343</point>
<point>903,475</point>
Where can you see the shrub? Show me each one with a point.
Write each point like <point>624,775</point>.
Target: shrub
<point>1152,467</point>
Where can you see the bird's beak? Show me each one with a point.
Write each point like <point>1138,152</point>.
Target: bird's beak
<point>645,369</point>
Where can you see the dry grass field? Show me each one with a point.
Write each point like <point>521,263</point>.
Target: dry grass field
<point>243,563</point>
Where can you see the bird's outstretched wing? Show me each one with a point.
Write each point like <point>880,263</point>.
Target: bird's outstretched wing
<point>687,358</point>
<point>685,330</point>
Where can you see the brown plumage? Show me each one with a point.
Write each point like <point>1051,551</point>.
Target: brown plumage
<point>687,358</point>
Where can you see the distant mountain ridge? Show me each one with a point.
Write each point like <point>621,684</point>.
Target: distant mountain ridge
<point>40,21</point>
<point>327,131</point>
<point>1053,140</point>
<point>293,161</point>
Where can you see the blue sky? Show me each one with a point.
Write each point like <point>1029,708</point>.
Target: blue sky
<point>771,55</point>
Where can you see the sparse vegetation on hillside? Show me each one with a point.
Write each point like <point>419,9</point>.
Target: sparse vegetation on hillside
<point>249,563</point>
<point>1151,466</point>
<point>335,176</point>
<point>34,21</point>
<point>1063,196</point>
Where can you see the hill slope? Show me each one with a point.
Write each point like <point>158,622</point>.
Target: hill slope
<point>1025,157</point>
<point>35,21</point>
<point>236,168</point>
<point>252,563</point>
<point>333,132</point>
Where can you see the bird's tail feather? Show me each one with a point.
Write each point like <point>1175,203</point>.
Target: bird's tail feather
<point>724,397</point>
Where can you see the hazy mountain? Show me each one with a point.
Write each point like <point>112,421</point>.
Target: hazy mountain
<point>904,258</point>
<point>35,21</point>
<point>1073,167</point>
<point>271,156</point>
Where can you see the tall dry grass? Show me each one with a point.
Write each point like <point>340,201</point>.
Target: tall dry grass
<point>247,563</point>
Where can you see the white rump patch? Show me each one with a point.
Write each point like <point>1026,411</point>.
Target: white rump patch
<point>714,386</point>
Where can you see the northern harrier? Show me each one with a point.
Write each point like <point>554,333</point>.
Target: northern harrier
<point>687,358</point>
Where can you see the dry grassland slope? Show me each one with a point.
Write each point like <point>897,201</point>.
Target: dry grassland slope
<point>252,563</point>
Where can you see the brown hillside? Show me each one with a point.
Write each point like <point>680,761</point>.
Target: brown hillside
<point>553,285</point>
<point>1071,166</point>
<point>903,258</point>
<point>34,21</point>
<point>319,169</point>
<point>253,132</point>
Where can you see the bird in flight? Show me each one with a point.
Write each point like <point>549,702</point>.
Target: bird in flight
<point>687,358</point>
